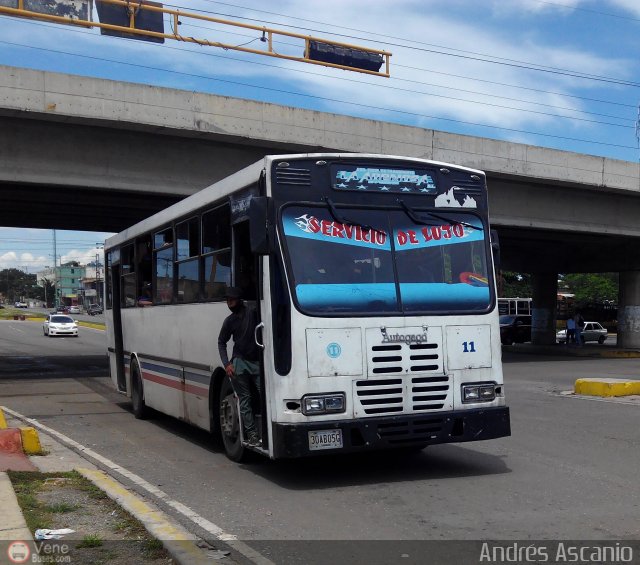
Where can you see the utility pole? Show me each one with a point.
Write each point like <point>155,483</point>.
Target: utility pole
<point>55,275</point>
<point>98,277</point>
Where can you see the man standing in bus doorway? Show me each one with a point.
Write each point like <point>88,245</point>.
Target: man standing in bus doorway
<point>243,369</point>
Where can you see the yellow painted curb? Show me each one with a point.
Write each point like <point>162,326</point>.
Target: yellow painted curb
<point>176,540</point>
<point>606,387</point>
<point>93,325</point>
<point>30,441</point>
<point>3,421</point>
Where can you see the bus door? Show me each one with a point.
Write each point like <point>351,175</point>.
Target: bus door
<point>247,275</point>
<point>117,327</point>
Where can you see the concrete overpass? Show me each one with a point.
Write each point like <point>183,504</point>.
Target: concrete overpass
<point>92,154</point>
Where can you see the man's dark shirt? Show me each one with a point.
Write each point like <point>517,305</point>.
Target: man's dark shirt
<point>239,325</point>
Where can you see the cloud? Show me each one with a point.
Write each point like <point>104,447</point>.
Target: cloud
<point>27,262</point>
<point>82,256</point>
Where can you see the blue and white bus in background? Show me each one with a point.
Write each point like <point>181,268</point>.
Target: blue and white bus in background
<point>377,310</point>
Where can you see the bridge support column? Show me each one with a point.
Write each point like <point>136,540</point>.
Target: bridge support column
<point>629,310</point>
<point>545,298</point>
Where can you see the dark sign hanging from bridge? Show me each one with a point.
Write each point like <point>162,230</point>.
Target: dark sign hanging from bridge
<point>71,9</point>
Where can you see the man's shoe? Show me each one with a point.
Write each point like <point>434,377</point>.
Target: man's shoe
<point>254,440</point>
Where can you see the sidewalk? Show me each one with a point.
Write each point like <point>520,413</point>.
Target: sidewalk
<point>183,547</point>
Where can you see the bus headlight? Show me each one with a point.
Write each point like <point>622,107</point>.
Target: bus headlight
<point>315,404</point>
<point>479,392</point>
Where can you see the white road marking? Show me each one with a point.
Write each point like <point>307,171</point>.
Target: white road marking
<point>205,524</point>
<point>631,399</point>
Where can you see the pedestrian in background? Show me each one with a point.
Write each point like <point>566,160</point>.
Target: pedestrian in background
<point>571,331</point>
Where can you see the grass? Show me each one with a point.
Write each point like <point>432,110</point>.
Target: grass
<point>9,313</point>
<point>61,508</point>
<point>154,549</point>
<point>46,515</point>
<point>90,540</point>
<point>26,485</point>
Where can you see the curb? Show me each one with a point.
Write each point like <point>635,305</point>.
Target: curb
<point>178,542</point>
<point>30,439</point>
<point>13,526</point>
<point>606,387</point>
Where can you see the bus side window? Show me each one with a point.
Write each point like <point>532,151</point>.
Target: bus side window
<point>188,260</point>
<point>216,252</point>
<point>244,274</point>
<point>163,267</point>
<point>144,269</point>
<point>128,277</point>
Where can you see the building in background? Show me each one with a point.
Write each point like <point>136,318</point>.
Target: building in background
<point>68,283</point>
<point>91,284</point>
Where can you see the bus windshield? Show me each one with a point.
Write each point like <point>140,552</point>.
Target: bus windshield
<point>384,261</point>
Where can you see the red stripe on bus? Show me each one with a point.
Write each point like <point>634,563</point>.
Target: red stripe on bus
<point>192,389</point>
<point>197,390</point>
<point>162,380</point>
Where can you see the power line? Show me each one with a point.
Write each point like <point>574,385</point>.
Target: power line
<point>580,9</point>
<point>453,52</point>
<point>413,81</point>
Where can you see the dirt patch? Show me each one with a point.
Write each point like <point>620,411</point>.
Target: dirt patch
<point>103,532</point>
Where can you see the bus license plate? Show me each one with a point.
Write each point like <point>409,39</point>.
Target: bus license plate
<point>325,439</point>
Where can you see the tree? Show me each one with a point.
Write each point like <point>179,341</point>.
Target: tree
<point>47,291</point>
<point>16,284</point>
<point>514,285</point>
<point>593,288</point>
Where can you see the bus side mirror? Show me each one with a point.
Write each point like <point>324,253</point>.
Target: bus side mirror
<point>260,229</point>
<point>495,250</point>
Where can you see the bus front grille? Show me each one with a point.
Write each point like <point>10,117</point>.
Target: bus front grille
<point>405,373</point>
<point>402,395</point>
<point>401,358</point>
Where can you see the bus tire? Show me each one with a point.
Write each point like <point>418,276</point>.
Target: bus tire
<point>140,410</point>
<point>230,422</point>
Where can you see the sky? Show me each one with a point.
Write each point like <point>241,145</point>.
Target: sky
<point>561,74</point>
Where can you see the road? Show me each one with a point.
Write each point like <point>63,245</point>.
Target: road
<point>569,470</point>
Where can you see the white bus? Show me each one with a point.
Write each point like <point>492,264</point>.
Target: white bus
<point>378,321</point>
<point>518,306</point>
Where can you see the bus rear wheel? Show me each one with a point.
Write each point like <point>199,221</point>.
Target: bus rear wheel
<point>140,410</point>
<point>230,422</point>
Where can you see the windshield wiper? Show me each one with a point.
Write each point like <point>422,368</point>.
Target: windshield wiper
<point>341,219</point>
<point>416,219</point>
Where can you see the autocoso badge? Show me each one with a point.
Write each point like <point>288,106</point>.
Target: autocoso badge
<point>334,350</point>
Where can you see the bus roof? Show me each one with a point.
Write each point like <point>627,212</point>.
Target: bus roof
<point>245,177</point>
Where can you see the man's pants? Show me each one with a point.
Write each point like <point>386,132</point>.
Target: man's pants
<point>247,376</point>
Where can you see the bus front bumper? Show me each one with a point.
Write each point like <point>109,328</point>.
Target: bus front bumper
<point>308,439</point>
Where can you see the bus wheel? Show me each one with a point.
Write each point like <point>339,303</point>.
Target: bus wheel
<point>230,422</point>
<point>140,410</point>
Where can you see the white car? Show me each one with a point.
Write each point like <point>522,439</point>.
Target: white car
<point>59,324</point>
<point>74,309</point>
<point>592,331</point>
